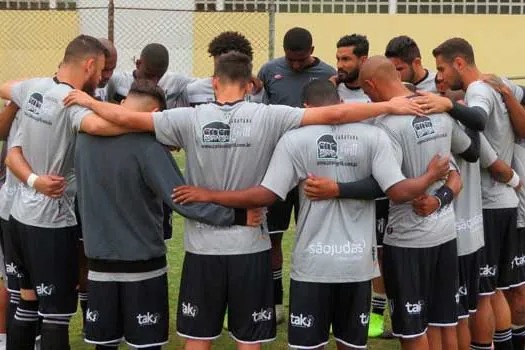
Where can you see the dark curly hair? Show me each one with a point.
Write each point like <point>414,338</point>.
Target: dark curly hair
<point>230,41</point>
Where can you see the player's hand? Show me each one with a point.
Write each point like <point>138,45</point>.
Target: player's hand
<point>78,97</point>
<point>320,188</point>
<point>50,185</point>
<point>432,103</point>
<point>496,83</point>
<point>190,194</point>
<point>405,106</point>
<point>425,205</point>
<point>257,85</point>
<point>255,216</point>
<point>439,167</point>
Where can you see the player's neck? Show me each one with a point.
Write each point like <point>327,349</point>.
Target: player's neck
<point>420,73</point>
<point>229,93</point>
<point>70,75</point>
<point>353,85</point>
<point>470,75</point>
<point>395,90</point>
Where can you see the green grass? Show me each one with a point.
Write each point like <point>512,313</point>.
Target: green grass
<point>175,257</point>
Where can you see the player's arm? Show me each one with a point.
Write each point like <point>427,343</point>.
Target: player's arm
<point>49,185</point>
<point>7,88</point>
<point>7,116</point>
<point>94,125</point>
<point>465,143</point>
<point>443,196</point>
<point>498,169</point>
<point>472,117</point>
<point>162,175</point>
<point>322,188</point>
<point>356,112</point>
<point>112,113</point>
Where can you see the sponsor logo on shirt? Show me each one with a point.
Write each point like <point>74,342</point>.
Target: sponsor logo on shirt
<point>488,271</point>
<point>475,222</point>
<point>364,318</point>
<point>414,309</point>
<point>326,147</point>
<point>301,321</point>
<point>517,262</point>
<point>425,130</point>
<point>278,76</point>
<point>149,319</point>
<point>92,315</point>
<point>45,290</point>
<point>348,248</point>
<point>189,310</point>
<point>34,106</point>
<point>216,132</point>
<point>263,315</point>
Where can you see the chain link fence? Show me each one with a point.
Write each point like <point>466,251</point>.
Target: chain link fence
<point>32,42</point>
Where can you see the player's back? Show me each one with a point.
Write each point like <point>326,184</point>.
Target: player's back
<point>416,140</point>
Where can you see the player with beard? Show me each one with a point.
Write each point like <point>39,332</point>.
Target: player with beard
<point>352,52</point>
<point>111,63</point>
<point>456,66</point>
<point>404,53</point>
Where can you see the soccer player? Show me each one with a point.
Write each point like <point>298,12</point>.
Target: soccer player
<point>456,66</point>
<point>283,80</point>
<point>405,55</point>
<point>131,174</point>
<point>352,52</point>
<point>201,90</point>
<point>43,208</point>
<point>221,139</point>
<point>111,63</point>
<point>334,255</point>
<point>152,65</point>
<point>425,246</point>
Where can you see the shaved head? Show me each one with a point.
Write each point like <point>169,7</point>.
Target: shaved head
<point>111,61</point>
<point>380,79</point>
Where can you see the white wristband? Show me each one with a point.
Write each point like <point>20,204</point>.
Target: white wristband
<point>515,180</point>
<point>31,180</point>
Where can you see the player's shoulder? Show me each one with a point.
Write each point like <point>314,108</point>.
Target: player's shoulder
<point>479,87</point>
<point>325,67</point>
<point>199,85</point>
<point>279,62</point>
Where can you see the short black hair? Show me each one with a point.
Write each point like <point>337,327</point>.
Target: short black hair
<point>230,41</point>
<point>320,92</point>
<point>404,48</point>
<point>84,46</point>
<point>234,67</point>
<point>297,39</point>
<point>143,87</point>
<point>359,42</point>
<point>455,47</point>
<point>156,56</point>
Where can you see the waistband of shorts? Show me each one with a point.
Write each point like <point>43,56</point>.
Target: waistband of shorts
<point>100,265</point>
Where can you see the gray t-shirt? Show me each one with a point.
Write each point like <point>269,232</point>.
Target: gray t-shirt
<point>428,83</point>
<point>173,85</point>
<point>201,91</point>
<point>416,140</point>
<point>335,240</point>
<point>354,95</point>
<point>284,86</point>
<point>101,94</point>
<point>47,135</point>
<point>11,184</point>
<point>228,147</point>
<point>500,135</point>
<point>518,164</point>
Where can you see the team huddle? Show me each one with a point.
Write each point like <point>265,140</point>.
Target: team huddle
<point>405,185</point>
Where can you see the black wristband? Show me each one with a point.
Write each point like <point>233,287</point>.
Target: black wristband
<point>444,195</point>
<point>241,217</point>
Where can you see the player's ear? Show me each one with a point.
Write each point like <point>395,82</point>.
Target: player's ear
<point>417,61</point>
<point>312,50</point>
<point>363,59</point>
<point>138,63</point>
<point>122,101</point>
<point>215,82</point>
<point>156,109</point>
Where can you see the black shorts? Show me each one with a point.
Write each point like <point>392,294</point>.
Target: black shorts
<point>167,224</point>
<point>316,306</point>
<point>137,312</point>
<point>47,260</point>
<point>79,220</point>
<point>243,283</point>
<point>382,207</point>
<point>468,291</point>
<point>421,285</point>
<point>10,240</point>
<point>499,269</point>
<point>280,213</point>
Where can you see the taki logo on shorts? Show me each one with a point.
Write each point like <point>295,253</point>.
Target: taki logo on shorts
<point>488,271</point>
<point>216,132</point>
<point>364,318</point>
<point>263,315</point>
<point>326,147</point>
<point>92,315</point>
<point>190,310</point>
<point>517,262</point>
<point>44,291</point>
<point>301,321</point>
<point>11,269</point>
<point>148,319</point>
<point>414,309</point>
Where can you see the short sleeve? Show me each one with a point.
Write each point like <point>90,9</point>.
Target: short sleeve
<point>19,92</point>
<point>282,174</point>
<point>76,114</point>
<point>386,168</point>
<point>283,118</point>
<point>173,126</point>
<point>479,95</point>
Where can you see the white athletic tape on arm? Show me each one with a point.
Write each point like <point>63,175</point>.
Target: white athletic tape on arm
<point>515,180</point>
<point>31,180</point>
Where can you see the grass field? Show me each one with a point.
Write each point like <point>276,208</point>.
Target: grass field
<point>176,255</point>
